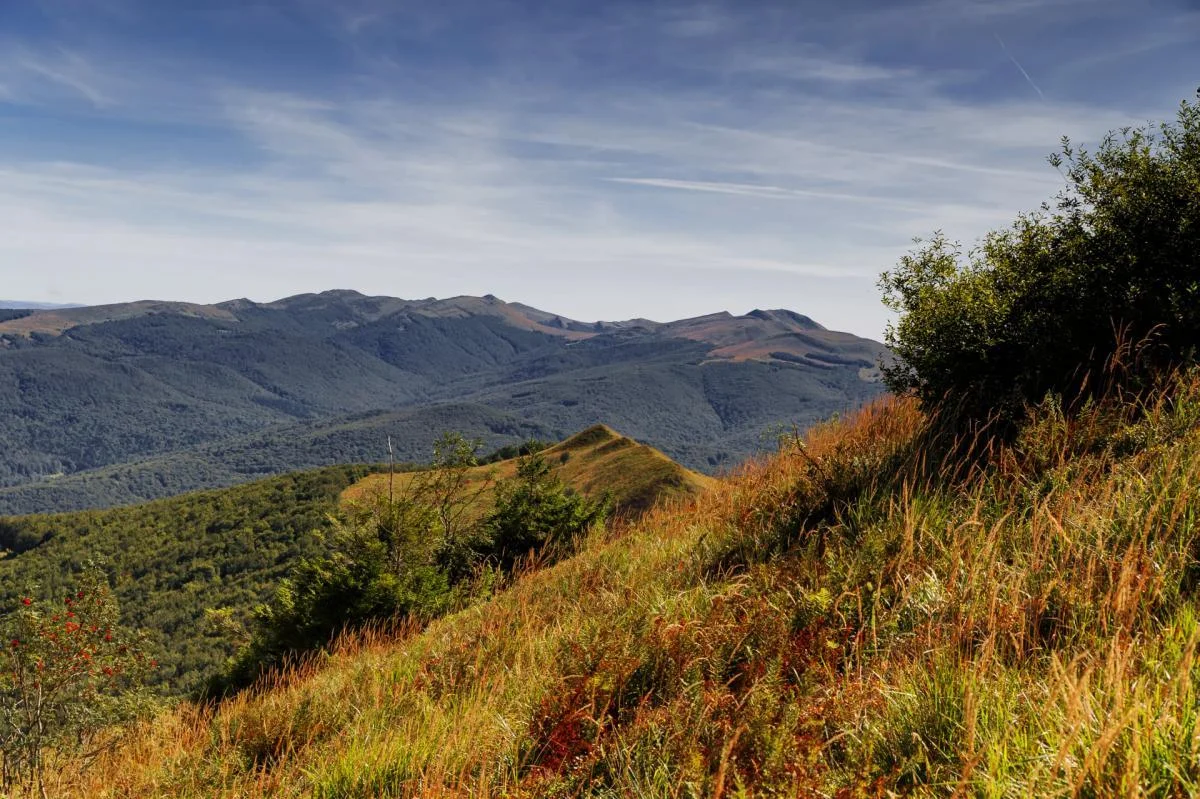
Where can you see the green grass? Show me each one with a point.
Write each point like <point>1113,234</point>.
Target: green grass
<point>848,618</point>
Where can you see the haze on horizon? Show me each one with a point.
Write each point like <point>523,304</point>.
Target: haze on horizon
<point>598,160</point>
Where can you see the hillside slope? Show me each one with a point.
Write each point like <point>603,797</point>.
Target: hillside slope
<point>176,557</point>
<point>841,619</point>
<point>229,548</point>
<point>82,389</point>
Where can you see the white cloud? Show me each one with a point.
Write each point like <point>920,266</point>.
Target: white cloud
<point>740,186</point>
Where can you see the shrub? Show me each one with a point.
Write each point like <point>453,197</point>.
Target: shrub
<point>414,554</point>
<point>394,559</point>
<point>70,674</point>
<point>1110,273</point>
<point>536,510</point>
<point>358,581</point>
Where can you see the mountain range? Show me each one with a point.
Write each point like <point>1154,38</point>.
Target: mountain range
<point>106,405</point>
<point>24,305</point>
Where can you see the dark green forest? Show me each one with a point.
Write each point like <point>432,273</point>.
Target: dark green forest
<point>172,559</point>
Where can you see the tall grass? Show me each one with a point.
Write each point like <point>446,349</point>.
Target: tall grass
<point>851,617</point>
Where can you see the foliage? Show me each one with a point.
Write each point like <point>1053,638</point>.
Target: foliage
<point>510,451</point>
<point>394,558</point>
<point>411,555</point>
<point>358,581</point>
<point>173,559</point>
<point>535,511</point>
<point>70,673</point>
<point>1110,273</point>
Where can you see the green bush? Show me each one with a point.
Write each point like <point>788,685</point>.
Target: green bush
<point>394,559</point>
<point>1105,282</point>
<point>536,510</point>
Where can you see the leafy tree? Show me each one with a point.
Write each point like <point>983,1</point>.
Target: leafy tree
<point>1106,281</point>
<point>536,510</point>
<point>70,674</point>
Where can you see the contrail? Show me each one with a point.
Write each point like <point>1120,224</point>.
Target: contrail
<point>1017,64</point>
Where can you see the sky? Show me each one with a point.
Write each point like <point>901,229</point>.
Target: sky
<point>600,159</point>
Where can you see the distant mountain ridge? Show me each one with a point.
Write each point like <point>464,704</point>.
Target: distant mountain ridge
<point>25,305</point>
<point>118,403</point>
<point>734,337</point>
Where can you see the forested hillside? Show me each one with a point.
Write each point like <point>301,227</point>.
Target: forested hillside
<point>360,438</point>
<point>175,559</point>
<point>181,396</point>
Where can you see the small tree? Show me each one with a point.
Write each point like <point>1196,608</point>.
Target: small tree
<point>441,505</point>
<point>535,511</point>
<point>70,675</point>
<point>397,557</point>
<point>1110,273</point>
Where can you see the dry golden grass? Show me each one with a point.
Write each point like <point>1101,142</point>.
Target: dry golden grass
<point>597,461</point>
<point>848,618</point>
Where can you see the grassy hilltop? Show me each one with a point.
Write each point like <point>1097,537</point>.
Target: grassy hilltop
<point>596,462</point>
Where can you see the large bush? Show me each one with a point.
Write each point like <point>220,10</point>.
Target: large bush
<point>536,511</point>
<point>1103,281</point>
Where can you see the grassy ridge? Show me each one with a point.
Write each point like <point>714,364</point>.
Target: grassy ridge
<point>595,462</point>
<point>849,618</point>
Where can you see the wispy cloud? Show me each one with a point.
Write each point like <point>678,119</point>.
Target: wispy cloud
<point>759,190</point>
<point>644,160</point>
<point>1020,68</point>
<point>56,68</point>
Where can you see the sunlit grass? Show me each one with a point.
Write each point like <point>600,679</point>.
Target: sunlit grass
<point>596,462</point>
<point>847,616</point>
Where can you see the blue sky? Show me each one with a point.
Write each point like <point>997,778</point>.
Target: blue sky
<point>598,159</point>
